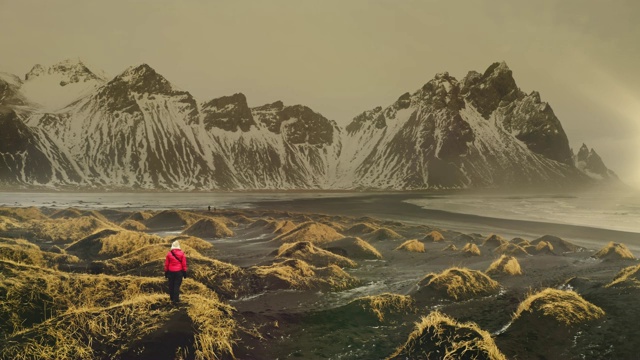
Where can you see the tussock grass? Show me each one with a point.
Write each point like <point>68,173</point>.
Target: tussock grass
<point>614,251</point>
<point>412,245</point>
<point>313,255</point>
<point>139,216</point>
<point>311,231</point>
<point>460,283</point>
<point>361,229</point>
<point>510,249</point>
<point>627,277</point>
<point>7,223</point>
<point>494,241</point>
<point>133,225</point>
<point>297,274</point>
<point>438,336</point>
<point>558,244</point>
<point>434,236</point>
<point>508,265</point>
<point>172,219</point>
<point>383,234</point>
<point>214,327</point>
<point>280,226</point>
<point>353,247</point>
<point>563,307</point>
<point>112,243</point>
<point>24,252</point>
<point>520,241</point>
<point>208,228</point>
<point>385,304</point>
<point>72,213</point>
<point>69,229</point>
<point>22,214</point>
<point>191,241</point>
<point>471,249</point>
<point>452,247</point>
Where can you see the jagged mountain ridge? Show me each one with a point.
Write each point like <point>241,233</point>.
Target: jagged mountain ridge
<point>139,131</point>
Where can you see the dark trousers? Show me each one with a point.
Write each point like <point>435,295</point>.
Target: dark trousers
<point>175,280</point>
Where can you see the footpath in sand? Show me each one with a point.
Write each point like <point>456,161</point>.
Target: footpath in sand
<point>268,283</point>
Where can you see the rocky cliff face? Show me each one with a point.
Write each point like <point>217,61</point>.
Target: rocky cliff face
<point>589,162</point>
<point>138,131</point>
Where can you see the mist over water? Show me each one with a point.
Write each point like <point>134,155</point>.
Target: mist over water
<point>613,210</point>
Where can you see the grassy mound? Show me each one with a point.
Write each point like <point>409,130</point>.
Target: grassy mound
<point>361,229</point>
<point>627,277</point>
<point>510,249</point>
<point>72,213</point>
<point>434,236</point>
<point>133,225</point>
<point>280,226</point>
<point>520,241</point>
<point>21,251</point>
<point>459,284</point>
<point>22,214</point>
<point>437,336</point>
<point>140,216</point>
<point>354,248</point>
<point>561,307</point>
<point>208,228</point>
<point>171,219</point>
<point>451,247</point>
<point>191,241</point>
<point>508,265</point>
<point>541,248</point>
<point>69,229</point>
<point>381,307</point>
<point>313,255</point>
<point>383,234</point>
<point>7,223</point>
<point>471,249</point>
<point>412,245</point>
<point>297,274</point>
<point>109,243</point>
<point>558,244</point>
<point>494,241</point>
<point>50,314</point>
<point>614,251</point>
<point>311,231</point>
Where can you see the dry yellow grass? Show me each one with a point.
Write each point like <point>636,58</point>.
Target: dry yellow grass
<point>557,243</point>
<point>311,231</point>
<point>451,247</point>
<point>313,255</point>
<point>140,216</point>
<point>208,228</point>
<point>280,226</point>
<point>72,213</point>
<point>510,249</point>
<point>383,234</point>
<point>191,241</point>
<point>438,336</point>
<point>24,252</point>
<point>494,241</point>
<point>111,243</point>
<point>412,245</point>
<point>172,219</point>
<point>361,229</point>
<point>22,214</point>
<point>614,251</point>
<point>434,236</point>
<point>471,249</point>
<point>133,225</point>
<point>627,277</point>
<point>353,247</point>
<point>297,274</point>
<point>508,265</point>
<point>68,230</point>
<point>55,315</point>
<point>564,307</point>
<point>460,283</point>
<point>7,223</point>
<point>384,304</point>
<point>543,247</point>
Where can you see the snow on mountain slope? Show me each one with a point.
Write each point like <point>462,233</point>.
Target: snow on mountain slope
<point>139,131</point>
<point>56,86</point>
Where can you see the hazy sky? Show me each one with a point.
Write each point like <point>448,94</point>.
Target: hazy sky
<point>343,57</point>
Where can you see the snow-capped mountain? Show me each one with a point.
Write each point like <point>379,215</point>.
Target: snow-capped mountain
<point>137,130</point>
<point>590,163</point>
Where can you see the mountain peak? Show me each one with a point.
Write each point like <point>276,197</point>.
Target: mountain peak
<point>69,70</point>
<point>144,79</point>
<point>228,113</point>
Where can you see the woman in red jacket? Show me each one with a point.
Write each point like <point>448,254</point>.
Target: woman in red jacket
<point>175,268</point>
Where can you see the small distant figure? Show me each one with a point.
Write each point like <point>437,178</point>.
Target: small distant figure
<point>175,269</point>
<point>209,208</point>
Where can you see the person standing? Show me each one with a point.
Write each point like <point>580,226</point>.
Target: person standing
<point>175,269</point>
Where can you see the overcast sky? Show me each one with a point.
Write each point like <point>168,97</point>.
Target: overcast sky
<point>343,57</point>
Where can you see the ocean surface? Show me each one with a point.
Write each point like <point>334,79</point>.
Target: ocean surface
<point>612,211</point>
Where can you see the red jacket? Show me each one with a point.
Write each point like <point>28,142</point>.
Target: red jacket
<point>173,264</point>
